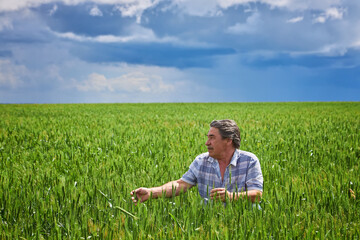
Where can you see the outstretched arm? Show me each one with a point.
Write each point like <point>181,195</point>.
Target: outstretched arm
<point>143,194</point>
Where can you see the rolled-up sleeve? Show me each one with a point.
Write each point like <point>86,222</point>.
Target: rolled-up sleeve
<point>254,178</point>
<point>191,176</point>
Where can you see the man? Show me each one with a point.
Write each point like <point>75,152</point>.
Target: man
<point>224,172</point>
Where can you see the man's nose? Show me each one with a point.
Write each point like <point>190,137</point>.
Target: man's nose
<point>207,143</point>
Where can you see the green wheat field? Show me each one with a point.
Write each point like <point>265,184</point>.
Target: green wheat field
<point>66,171</point>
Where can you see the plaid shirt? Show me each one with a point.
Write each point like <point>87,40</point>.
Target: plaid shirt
<point>242,174</point>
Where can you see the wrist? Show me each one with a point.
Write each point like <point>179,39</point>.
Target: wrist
<point>235,196</point>
<point>232,196</point>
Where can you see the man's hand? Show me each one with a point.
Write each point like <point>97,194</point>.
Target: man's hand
<point>143,194</point>
<point>220,194</point>
<point>140,195</point>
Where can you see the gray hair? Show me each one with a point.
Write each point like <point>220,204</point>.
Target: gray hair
<point>228,129</point>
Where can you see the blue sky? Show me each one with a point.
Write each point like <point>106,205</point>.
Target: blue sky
<point>77,51</point>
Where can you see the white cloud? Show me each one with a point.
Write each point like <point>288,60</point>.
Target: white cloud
<point>5,23</point>
<point>96,12</point>
<point>192,7</point>
<point>198,8</point>
<point>333,50</point>
<point>108,38</point>
<point>104,38</point>
<point>135,8</point>
<point>10,74</point>
<point>72,36</point>
<point>53,10</point>
<point>134,33</point>
<point>320,19</point>
<point>130,83</point>
<point>329,50</point>
<point>330,13</point>
<point>212,7</point>
<point>251,26</point>
<point>301,5</point>
<point>128,8</point>
<point>295,20</point>
<point>140,83</point>
<point>229,3</point>
<point>95,82</point>
<point>356,44</point>
<point>335,13</point>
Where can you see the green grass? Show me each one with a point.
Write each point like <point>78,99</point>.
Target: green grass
<point>66,171</point>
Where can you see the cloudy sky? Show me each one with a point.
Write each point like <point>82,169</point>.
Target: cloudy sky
<point>78,51</point>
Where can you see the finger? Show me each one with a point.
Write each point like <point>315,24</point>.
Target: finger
<point>221,195</point>
<point>216,189</point>
<point>136,190</point>
<point>215,195</point>
<point>220,192</point>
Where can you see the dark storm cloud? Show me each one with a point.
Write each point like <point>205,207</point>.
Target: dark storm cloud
<point>150,54</point>
<point>254,51</point>
<point>77,19</point>
<point>5,53</point>
<point>348,60</point>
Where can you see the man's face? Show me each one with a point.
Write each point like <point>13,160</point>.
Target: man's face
<point>215,144</point>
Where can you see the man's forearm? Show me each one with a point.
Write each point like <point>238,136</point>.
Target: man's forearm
<point>169,189</point>
<point>252,195</point>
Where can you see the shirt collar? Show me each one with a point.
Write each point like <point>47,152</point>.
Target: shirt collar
<point>235,157</point>
<point>233,160</point>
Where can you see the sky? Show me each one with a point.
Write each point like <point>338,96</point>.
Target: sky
<point>129,51</point>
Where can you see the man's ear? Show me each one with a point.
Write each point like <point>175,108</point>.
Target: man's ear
<point>229,141</point>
